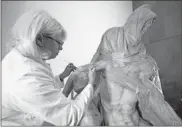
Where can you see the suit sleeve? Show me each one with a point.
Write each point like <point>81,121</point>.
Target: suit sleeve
<point>38,94</point>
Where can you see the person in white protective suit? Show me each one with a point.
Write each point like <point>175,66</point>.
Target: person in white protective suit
<point>130,90</point>
<point>31,95</point>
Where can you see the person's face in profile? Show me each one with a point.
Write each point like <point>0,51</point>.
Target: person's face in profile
<point>50,44</point>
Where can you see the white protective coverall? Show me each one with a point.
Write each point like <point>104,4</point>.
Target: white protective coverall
<point>31,95</point>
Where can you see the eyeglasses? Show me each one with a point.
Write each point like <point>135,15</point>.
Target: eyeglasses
<point>60,43</point>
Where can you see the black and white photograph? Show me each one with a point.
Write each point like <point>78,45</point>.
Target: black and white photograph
<point>91,63</point>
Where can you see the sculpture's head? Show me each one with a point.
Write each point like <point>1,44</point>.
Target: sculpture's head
<point>138,23</point>
<point>126,40</point>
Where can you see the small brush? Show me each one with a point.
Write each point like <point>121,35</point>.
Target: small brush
<point>70,62</point>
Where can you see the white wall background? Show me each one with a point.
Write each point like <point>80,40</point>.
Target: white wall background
<point>85,22</point>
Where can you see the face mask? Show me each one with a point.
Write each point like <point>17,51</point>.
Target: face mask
<point>46,55</point>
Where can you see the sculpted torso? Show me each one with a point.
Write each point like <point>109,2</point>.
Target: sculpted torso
<point>119,104</point>
<point>118,87</point>
<point>118,101</point>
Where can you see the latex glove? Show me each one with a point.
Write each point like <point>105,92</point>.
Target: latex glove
<point>69,68</point>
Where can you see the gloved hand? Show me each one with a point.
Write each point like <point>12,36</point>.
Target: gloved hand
<point>69,68</point>
<point>84,75</point>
